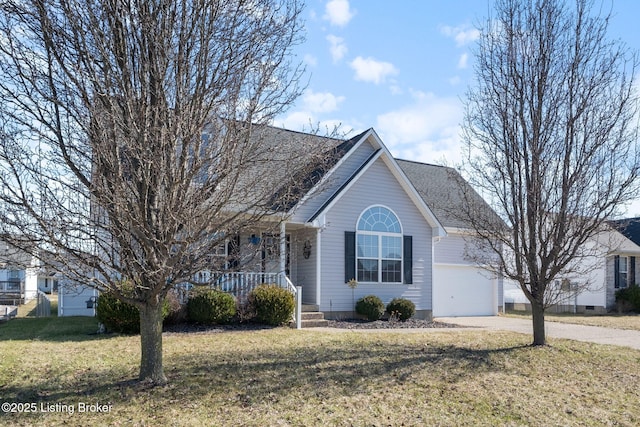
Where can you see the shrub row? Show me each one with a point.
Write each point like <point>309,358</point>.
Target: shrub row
<point>630,296</point>
<point>373,308</point>
<point>267,304</point>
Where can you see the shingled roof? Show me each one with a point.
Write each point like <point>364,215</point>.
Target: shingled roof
<point>333,149</point>
<point>439,188</point>
<point>629,228</point>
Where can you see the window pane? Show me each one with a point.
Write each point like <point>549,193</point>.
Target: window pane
<point>391,247</point>
<point>379,219</point>
<point>623,279</point>
<point>367,246</point>
<point>220,250</point>
<point>623,264</point>
<point>391,271</point>
<point>367,270</point>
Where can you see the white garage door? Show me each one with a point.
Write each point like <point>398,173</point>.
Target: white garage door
<point>463,291</point>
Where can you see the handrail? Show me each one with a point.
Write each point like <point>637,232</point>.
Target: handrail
<point>297,294</point>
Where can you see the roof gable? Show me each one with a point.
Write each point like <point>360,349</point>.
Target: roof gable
<point>629,228</point>
<point>286,198</point>
<point>383,153</point>
<point>439,187</point>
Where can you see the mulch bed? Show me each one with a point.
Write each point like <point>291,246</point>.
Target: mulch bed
<point>385,324</point>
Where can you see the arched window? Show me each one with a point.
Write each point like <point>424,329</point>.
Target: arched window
<point>379,246</point>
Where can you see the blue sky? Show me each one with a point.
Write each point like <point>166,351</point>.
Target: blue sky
<point>402,67</point>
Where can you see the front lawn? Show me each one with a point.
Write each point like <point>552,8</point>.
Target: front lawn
<point>616,321</point>
<point>287,377</point>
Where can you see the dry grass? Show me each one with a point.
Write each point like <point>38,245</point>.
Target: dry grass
<point>616,321</point>
<point>29,309</point>
<point>305,378</point>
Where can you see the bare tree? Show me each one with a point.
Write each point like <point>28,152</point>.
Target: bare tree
<point>551,127</point>
<point>133,137</point>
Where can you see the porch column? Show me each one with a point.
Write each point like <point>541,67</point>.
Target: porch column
<point>283,249</point>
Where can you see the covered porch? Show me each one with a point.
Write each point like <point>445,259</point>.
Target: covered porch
<point>262,256</point>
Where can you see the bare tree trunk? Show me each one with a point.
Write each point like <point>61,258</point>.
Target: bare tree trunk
<point>151,369</point>
<point>537,309</point>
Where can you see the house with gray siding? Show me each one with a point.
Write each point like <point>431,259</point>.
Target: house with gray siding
<point>366,217</point>
<point>20,275</point>
<point>387,224</point>
<point>368,223</point>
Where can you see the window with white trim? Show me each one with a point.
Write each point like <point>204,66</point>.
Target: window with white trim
<point>622,272</point>
<point>379,246</point>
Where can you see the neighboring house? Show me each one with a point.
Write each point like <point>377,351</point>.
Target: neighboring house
<point>612,269</point>
<point>76,299</point>
<point>19,275</point>
<point>621,264</point>
<point>460,286</point>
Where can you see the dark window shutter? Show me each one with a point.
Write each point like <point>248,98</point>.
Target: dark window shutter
<point>632,271</point>
<point>407,255</point>
<point>349,255</point>
<point>616,271</point>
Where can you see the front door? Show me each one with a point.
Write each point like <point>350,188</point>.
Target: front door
<point>271,253</point>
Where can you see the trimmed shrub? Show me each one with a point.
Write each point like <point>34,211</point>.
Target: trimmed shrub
<point>122,317</point>
<point>175,312</point>
<point>211,307</point>
<point>631,296</point>
<point>371,307</point>
<point>402,308</point>
<point>116,315</point>
<point>272,304</point>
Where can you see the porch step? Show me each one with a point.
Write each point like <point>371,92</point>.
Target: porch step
<point>313,319</point>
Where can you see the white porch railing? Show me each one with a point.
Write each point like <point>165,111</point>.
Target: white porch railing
<point>12,292</point>
<point>297,295</point>
<point>240,284</point>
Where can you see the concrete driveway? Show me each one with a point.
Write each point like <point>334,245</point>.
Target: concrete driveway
<point>593,334</point>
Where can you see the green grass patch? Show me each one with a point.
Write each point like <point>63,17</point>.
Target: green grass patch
<point>77,328</point>
<point>300,378</point>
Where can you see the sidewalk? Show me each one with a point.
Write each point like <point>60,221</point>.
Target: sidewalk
<point>593,334</point>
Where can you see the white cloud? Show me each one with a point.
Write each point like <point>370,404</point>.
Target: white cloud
<point>321,102</point>
<point>455,80</point>
<point>371,70</point>
<point>303,121</point>
<point>395,89</point>
<point>463,61</point>
<point>338,48</point>
<point>462,34</point>
<point>427,130</point>
<point>310,60</point>
<point>338,12</point>
<point>308,116</point>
